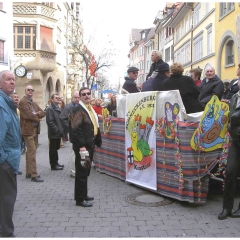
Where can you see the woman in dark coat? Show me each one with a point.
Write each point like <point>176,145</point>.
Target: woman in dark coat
<point>188,90</point>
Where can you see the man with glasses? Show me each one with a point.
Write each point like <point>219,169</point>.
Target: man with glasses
<point>129,85</point>
<point>210,85</point>
<point>30,117</point>
<point>55,132</point>
<point>84,134</point>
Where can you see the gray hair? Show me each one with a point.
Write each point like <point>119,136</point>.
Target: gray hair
<point>157,53</point>
<point>2,72</point>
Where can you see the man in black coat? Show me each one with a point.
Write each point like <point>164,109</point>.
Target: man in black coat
<point>64,121</point>
<point>84,134</point>
<point>129,85</point>
<point>210,85</point>
<point>55,131</point>
<point>156,58</point>
<point>233,161</point>
<point>163,74</point>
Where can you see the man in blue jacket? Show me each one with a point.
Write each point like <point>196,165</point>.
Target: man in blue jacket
<point>10,152</point>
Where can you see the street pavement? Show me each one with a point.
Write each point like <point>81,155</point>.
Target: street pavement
<point>48,209</point>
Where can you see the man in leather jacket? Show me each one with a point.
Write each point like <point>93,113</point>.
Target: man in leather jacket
<point>233,161</point>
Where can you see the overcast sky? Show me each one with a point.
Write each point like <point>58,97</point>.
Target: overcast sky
<point>113,20</point>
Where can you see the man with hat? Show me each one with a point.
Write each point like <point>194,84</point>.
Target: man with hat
<point>163,74</point>
<point>130,86</point>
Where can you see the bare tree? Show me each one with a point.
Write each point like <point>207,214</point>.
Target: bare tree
<point>92,62</point>
<point>102,81</point>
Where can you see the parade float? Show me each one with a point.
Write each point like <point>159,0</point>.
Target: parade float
<point>155,145</point>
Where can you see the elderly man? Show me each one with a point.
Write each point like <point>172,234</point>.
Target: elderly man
<point>156,58</point>
<point>10,152</point>
<point>129,85</point>
<point>64,121</point>
<point>84,135</point>
<point>210,85</point>
<point>30,117</point>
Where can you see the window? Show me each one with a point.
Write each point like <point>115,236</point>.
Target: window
<point>226,7</point>
<point>197,14</point>
<point>24,37</point>
<point>229,52</point>
<point>209,40</point>
<point>167,55</point>
<point>207,7</point>
<point>1,51</point>
<point>198,48</point>
<point>143,35</point>
<point>1,5</point>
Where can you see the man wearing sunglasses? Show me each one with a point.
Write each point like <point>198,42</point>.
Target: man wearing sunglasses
<point>84,135</point>
<point>30,117</point>
<point>55,131</point>
<point>129,85</point>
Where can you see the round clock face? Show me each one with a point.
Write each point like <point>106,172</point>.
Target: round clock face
<point>21,71</point>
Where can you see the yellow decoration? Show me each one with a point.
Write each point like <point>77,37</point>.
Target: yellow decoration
<point>212,128</point>
<point>107,122</point>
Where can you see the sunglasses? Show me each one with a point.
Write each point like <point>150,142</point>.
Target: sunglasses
<point>29,89</point>
<point>135,73</point>
<point>84,94</point>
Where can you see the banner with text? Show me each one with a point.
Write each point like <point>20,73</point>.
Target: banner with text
<point>140,139</point>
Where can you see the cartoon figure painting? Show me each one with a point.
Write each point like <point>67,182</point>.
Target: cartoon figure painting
<point>140,136</point>
<point>211,132</point>
<point>171,112</point>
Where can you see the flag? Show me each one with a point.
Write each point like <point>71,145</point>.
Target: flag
<point>92,66</point>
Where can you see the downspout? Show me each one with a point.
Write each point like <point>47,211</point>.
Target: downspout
<point>191,29</point>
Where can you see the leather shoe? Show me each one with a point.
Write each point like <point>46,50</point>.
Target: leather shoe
<point>84,204</point>
<point>36,179</point>
<point>89,198</point>
<point>56,168</point>
<point>236,214</point>
<point>28,175</point>
<point>60,165</point>
<point>224,214</point>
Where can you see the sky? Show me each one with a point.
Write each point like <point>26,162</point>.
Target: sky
<point>112,21</point>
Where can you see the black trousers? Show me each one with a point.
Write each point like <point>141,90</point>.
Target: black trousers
<point>232,170</point>
<point>8,194</point>
<point>54,145</point>
<point>81,176</point>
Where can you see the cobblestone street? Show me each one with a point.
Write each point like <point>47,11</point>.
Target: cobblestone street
<point>48,209</point>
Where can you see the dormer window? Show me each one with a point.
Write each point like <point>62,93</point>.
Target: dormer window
<point>143,35</point>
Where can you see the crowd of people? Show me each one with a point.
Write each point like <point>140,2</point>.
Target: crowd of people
<point>195,94</point>
<point>78,123</point>
<point>20,127</point>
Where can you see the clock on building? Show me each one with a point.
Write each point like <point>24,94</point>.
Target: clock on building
<point>21,71</point>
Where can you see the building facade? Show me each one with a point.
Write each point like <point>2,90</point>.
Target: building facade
<point>6,39</point>
<point>41,44</point>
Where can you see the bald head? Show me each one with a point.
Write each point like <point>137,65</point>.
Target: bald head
<point>76,97</point>
<point>7,82</point>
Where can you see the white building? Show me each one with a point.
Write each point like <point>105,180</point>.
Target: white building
<point>6,39</point>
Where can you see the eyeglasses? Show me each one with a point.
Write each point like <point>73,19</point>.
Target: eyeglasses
<point>29,89</point>
<point>135,73</point>
<point>84,94</point>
